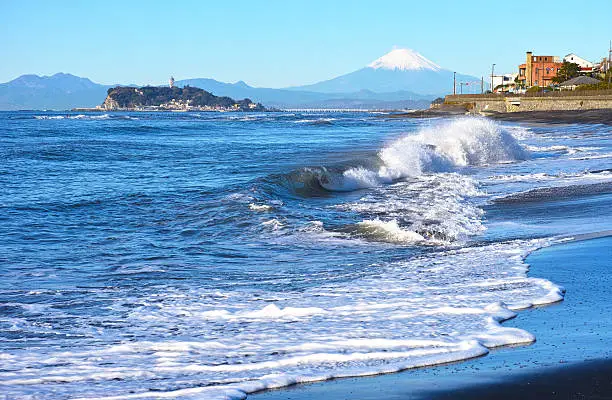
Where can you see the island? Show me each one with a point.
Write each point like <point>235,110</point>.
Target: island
<point>152,98</point>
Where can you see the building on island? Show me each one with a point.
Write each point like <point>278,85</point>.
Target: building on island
<point>538,70</point>
<point>171,82</point>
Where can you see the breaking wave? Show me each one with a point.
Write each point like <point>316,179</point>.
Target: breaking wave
<point>416,193</point>
<point>440,148</point>
<point>460,143</point>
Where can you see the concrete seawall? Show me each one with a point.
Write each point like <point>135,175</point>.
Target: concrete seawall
<point>506,104</point>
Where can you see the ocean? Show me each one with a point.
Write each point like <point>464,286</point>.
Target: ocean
<point>213,255</point>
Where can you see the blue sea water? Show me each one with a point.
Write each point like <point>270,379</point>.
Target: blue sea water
<point>211,255</point>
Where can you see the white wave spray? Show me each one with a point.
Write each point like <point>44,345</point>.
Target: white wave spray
<point>427,201</point>
<point>439,148</point>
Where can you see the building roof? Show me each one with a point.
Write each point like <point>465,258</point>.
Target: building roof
<point>571,56</point>
<point>580,80</point>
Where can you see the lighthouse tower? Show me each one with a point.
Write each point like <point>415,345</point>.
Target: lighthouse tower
<point>171,81</point>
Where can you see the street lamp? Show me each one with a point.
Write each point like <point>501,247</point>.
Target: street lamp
<point>492,73</point>
<point>454,83</point>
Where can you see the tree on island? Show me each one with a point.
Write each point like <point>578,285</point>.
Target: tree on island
<point>154,96</point>
<point>567,71</point>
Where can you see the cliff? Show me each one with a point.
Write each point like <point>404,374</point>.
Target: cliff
<point>173,98</point>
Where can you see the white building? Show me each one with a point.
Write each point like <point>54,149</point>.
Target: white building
<point>505,79</point>
<point>585,65</point>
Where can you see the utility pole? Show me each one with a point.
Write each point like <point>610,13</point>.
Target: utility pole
<point>492,73</point>
<point>461,85</point>
<point>609,71</point>
<point>454,83</point>
<point>542,83</point>
<point>482,85</point>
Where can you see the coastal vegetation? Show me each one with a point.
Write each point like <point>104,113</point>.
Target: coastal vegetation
<point>173,98</point>
<point>534,89</point>
<point>567,71</point>
<point>605,84</point>
<point>596,86</point>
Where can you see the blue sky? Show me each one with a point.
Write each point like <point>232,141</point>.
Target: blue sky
<point>281,43</point>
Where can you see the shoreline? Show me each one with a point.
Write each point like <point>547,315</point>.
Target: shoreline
<point>538,363</point>
<point>586,380</point>
<point>599,116</point>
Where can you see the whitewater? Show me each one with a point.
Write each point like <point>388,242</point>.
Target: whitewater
<point>215,255</point>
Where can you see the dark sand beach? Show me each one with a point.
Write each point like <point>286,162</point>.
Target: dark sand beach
<point>603,116</point>
<point>571,359</point>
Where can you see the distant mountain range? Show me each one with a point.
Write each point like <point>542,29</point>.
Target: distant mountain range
<point>292,98</point>
<point>58,92</point>
<point>400,79</point>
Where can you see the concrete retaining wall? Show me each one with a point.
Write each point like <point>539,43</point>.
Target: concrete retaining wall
<point>564,104</point>
<point>524,103</point>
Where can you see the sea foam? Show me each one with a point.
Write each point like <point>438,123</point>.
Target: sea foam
<point>398,318</point>
<point>387,232</point>
<point>440,148</point>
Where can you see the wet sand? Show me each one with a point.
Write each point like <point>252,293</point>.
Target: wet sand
<point>588,380</point>
<point>603,116</point>
<point>571,359</point>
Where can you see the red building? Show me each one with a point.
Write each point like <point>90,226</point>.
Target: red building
<point>538,70</point>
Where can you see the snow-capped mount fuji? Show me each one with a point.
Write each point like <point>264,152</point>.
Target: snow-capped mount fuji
<point>398,70</point>
<point>404,60</point>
